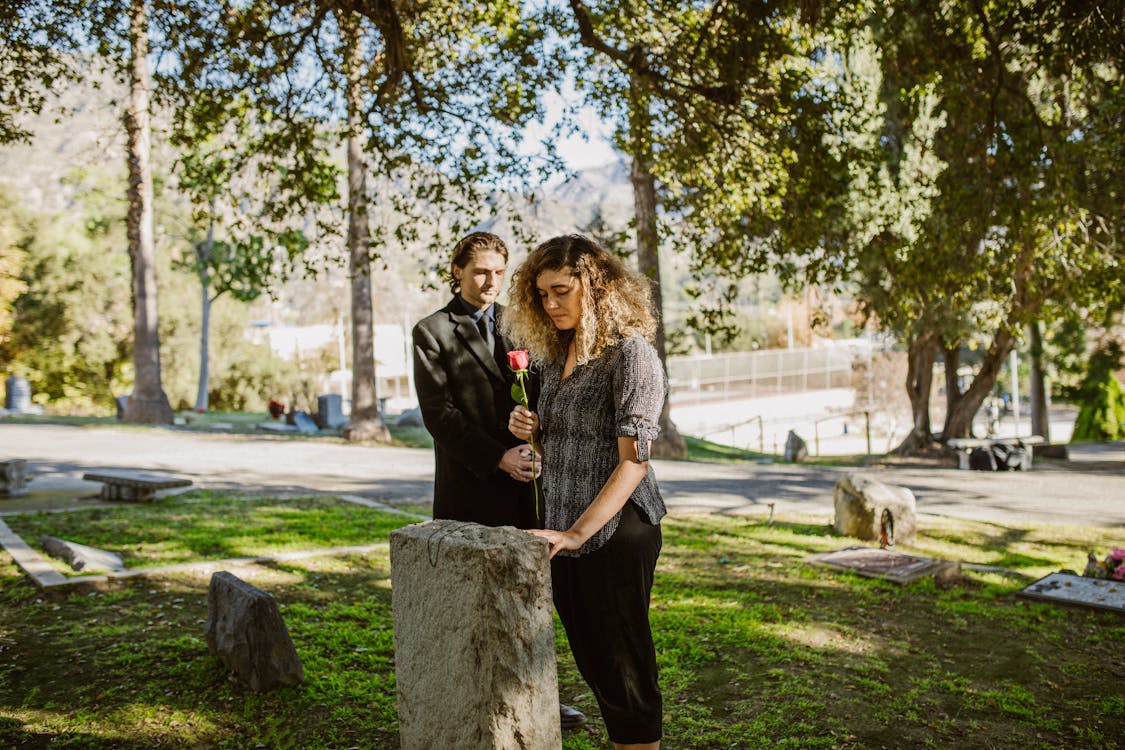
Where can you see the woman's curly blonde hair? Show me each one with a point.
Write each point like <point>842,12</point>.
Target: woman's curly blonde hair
<point>616,302</point>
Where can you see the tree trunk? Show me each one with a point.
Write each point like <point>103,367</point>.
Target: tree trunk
<point>959,419</point>
<point>670,444</point>
<point>1040,421</point>
<point>148,403</point>
<point>365,422</point>
<point>952,355</point>
<point>919,384</point>
<point>203,252</point>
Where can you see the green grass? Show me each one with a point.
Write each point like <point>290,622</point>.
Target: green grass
<point>202,525</point>
<point>705,450</point>
<point>757,649</point>
<point>220,422</point>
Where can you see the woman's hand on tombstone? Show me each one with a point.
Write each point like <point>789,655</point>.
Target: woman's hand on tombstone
<point>522,422</point>
<point>559,540</point>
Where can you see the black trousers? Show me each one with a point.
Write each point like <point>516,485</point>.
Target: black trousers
<point>602,599</point>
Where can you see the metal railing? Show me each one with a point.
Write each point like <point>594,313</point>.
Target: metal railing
<point>732,428</point>
<point>866,428</point>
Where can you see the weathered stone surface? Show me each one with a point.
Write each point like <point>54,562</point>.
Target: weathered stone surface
<point>474,638</point>
<point>13,477</point>
<point>795,448</point>
<point>246,632</point>
<point>133,486</point>
<point>81,557</point>
<point>860,500</point>
<point>1068,588</point>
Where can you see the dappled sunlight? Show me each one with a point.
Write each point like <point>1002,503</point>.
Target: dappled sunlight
<point>152,723</point>
<point>822,636</point>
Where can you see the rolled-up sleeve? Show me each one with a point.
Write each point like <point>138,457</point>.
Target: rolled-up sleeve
<point>639,388</point>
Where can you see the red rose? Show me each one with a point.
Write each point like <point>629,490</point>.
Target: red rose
<point>518,360</point>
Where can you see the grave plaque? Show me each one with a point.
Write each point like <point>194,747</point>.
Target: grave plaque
<point>1068,588</point>
<point>897,567</point>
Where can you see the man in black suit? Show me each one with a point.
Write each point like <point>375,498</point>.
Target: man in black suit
<point>482,473</point>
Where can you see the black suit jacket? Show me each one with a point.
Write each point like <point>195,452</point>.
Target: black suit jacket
<point>464,393</point>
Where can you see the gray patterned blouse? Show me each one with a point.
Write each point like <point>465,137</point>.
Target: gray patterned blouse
<point>619,394</point>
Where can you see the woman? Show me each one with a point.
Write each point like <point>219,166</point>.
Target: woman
<point>586,322</point>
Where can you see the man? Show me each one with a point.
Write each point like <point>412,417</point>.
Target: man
<point>464,392</point>
<point>482,472</point>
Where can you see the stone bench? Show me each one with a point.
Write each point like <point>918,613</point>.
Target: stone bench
<point>965,446</point>
<point>13,477</point>
<point>132,486</point>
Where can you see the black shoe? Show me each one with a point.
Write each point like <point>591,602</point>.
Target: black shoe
<point>570,718</point>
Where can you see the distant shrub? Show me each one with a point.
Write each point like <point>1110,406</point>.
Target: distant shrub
<point>1102,413</point>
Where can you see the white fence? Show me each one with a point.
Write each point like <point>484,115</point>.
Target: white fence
<point>762,373</point>
<point>752,399</point>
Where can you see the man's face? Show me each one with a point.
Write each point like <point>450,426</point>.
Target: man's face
<point>481,278</point>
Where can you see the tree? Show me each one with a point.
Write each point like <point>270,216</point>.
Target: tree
<point>235,188</point>
<point>38,42</point>
<point>51,35</point>
<point>71,317</point>
<point>12,259</point>
<point>432,94</point>
<point>365,422</point>
<point>147,403</point>
<point>703,87</point>
<point>670,443</point>
<point>1006,230</point>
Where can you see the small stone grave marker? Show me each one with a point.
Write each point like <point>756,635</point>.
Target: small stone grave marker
<point>81,557</point>
<point>1069,588</point>
<point>246,632</point>
<point>13,477</point>
<point>330,411</point>
<point>897,567</point>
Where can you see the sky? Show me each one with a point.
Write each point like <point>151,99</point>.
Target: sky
<point>590,149</point>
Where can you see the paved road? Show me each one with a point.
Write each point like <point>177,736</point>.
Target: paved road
<point>1089,489</point>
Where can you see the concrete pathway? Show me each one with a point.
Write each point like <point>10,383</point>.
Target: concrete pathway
<point>1088,490</point>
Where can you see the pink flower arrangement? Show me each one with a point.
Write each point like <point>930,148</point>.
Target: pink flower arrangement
<point>1112,567</point>
<point>1118,557</point>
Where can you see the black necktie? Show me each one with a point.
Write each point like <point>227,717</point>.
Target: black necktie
<point>485,333</point>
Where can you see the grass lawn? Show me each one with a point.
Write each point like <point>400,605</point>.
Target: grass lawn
<point>757,649</point>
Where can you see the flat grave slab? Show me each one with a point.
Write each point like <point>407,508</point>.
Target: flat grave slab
<point>1083,591</point>
<point>897,567</point>
<point>133,485</point>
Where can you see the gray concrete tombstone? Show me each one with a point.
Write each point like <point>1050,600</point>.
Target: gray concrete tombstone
<point>330,411</point>
<point>474,638</point>
<point>795,448</point>
<point>17,394</point>
<point>246,632</point>
<point>13,477</point>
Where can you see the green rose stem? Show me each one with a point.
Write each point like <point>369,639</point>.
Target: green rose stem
<point>519,395</point>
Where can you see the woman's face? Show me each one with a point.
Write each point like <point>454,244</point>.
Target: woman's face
<point>560,292</point>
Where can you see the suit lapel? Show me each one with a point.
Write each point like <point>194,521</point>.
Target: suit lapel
<point>466,331</point>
